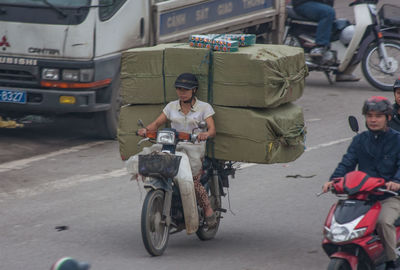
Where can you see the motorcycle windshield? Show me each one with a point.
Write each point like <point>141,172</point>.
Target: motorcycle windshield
<point>348,210</point>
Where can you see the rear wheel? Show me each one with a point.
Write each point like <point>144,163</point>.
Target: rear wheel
<point>338,264</point>
<point>155,232</point>
<point>378,73</point>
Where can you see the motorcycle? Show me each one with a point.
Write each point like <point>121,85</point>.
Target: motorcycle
<point>350,237</point>
<point>170,204</point>
<point>374,41</point>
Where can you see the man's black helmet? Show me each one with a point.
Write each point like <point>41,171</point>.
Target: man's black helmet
<point>377,104</point>
<point>186,81</point>
<point>396,84</point>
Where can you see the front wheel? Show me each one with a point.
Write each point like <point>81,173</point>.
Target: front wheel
<point>155,232</point>
<point>378,72</point>
<point>338,264</point>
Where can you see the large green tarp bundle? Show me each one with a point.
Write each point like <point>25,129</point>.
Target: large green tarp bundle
<point>258,135</point>
<point>262,76</point>
<point>250,90</point>
<point>127,127</point>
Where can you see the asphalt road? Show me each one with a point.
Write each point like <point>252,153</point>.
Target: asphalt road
<point>65,180</point>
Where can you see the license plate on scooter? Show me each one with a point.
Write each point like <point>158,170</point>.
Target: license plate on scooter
<point>12,96</point>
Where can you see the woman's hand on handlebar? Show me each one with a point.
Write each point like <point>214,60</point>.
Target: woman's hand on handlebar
<point>142,132</point>
<point>202,136</point>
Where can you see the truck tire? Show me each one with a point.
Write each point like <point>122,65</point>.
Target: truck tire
<point>106,122</point>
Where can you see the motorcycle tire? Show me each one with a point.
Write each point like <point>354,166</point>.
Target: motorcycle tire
<point>374,69</point>
<point>155,232</point>
<point>204,233</point>
<point>338,264</point>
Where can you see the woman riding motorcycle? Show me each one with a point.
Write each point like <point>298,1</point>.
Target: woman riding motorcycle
<point>185,114</point>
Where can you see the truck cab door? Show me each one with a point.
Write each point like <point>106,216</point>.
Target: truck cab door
<point>122,25</point>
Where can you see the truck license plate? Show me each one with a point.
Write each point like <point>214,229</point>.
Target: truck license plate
<point>12,96</point>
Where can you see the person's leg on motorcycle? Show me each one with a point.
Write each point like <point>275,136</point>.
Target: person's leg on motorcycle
<point>325,16</point>
<point>195,153</point>
<point>390,211</point>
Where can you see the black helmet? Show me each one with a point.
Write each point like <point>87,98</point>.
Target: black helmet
<point>377,104</point>
<point>186,81</point>
<point>396,84</point>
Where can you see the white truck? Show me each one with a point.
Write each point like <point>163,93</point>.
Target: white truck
<point>62,57</point>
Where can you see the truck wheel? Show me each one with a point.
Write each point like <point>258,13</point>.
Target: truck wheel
<point>106,123</point>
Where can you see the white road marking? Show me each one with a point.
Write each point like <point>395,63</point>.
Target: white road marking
<point>23,163</point>
<point>327,144</point>
<point>62,184</point>
<point>79,179</point>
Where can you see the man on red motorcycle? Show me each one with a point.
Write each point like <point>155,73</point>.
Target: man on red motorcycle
<point>377,153</point>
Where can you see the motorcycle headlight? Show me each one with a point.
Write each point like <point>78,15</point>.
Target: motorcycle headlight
<point>166,137</point>
<point>344,232</point>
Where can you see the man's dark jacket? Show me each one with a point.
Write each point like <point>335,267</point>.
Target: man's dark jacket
<point>395,122</point>
<point>377,154</point>
<point>297,3</point>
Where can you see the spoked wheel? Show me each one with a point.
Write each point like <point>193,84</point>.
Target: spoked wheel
<point>379,73</point>
<point>204,233</point>
<point>155,232</point>
<point>338,264</point>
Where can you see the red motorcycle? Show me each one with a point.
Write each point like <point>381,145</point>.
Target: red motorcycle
<point>350,237</point>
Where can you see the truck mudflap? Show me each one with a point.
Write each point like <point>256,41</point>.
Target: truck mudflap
<point>175,22</point>
<point>55,101</point>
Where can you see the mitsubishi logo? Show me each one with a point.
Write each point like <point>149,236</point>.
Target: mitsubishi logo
<point>4,43</point>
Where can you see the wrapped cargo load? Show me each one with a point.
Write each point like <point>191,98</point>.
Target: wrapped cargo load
<point>258,135</point>
<point>142,80</point>
<point>127,127</point>
<point>181,59</point>
<point>263,76</point>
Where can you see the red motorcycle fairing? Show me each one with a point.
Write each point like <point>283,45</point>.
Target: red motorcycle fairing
<point>357,182</point>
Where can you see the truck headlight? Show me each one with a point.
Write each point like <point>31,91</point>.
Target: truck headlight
<point>166,137</point>
<point>52,74</point>
<point>338,233</point>
<point>70,75</point>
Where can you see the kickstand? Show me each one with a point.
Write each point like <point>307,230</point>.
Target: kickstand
<point>328,76</point>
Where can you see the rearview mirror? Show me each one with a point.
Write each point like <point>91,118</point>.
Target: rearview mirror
<point>353,124</point>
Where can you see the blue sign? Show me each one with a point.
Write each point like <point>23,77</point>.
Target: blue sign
<point>205,13</point>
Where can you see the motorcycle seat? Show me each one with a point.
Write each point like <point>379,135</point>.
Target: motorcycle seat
<point>293,15</point>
